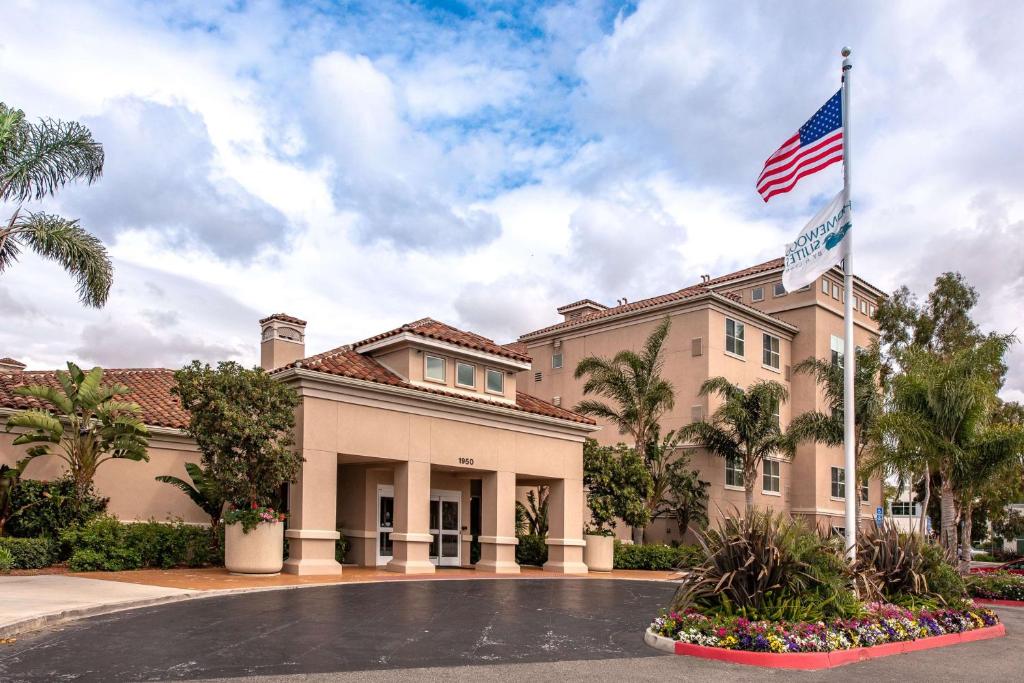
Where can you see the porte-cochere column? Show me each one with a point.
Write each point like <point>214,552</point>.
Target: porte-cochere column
<point>411,536</point>
<point>498,523</point>
<point>565,527</point>
<point>311,533</point>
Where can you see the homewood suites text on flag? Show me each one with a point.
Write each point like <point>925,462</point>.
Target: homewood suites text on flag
<point>818,144</point>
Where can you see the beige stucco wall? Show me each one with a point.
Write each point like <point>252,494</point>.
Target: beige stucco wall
<point>134,493</point>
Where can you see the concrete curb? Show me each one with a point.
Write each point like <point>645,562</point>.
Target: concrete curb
<point>999,603</point>
<point>41,621</point>
<point>816,661</point>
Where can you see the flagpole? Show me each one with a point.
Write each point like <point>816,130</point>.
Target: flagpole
<point>849,348</point>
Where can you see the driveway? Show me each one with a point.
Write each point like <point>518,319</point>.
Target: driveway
<point>541,630</point>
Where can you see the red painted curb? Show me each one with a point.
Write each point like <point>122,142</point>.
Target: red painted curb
<point>813,661</point>
<point>1000,603</point>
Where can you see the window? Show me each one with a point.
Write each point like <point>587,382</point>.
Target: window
<point>863,306</point>
<point>825,286</point>
<point>838,482</point>
<point>839,532</point>
<point>835,291</point>
<point>433,368</point>
<point>495,381</point>
<point>770,479</point>
<point>855,303</point>
<point>865,490</point>
<point>775,414</point>
<point>770,355</point>
<point>734,333</point>
<point>904,508</point>
<point>757,294</point>
<point>465,375</point>
<point>873,309</point>
<point>734,472</point>
<point>837,345</point>
<point>778,289</point>
<point>696,413</point>
<point>556,360</point>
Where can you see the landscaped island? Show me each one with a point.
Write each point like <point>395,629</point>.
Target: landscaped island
<point>771,586</point>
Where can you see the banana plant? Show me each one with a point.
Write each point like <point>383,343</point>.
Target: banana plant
<point>85,425</point>
<point>202,490</point>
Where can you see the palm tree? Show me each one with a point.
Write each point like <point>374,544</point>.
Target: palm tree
<point>89,424</point>
<point>638,394</point>
<point>202,490</point>
<point>745,428</point>
<point>36,159</point>
<point>940,408</point>
<point>532,518</point>
<point>868,405</point>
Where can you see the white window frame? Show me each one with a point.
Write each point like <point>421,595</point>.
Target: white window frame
<point>738,338</point>
<point>838,480</point>
<point>426,368</point>
<point>863,306</point>
<point>837,346</point>
<point>487,381</point>
<point>835,291</point>
<point>772,355</point>
<point>558,355</point>
<point>734,466</point>
<point>459,364</point>
<point>778,289</point>
<point>754,296</point>
<point>865,491</point>
<point>911,505</point>
<point>775,476</point>
<point>826,286</point>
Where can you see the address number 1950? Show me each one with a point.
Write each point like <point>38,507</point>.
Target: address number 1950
<point>465,461</point>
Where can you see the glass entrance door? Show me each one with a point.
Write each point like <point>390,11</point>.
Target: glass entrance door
<point>385,523</point>
<point>445,526</point>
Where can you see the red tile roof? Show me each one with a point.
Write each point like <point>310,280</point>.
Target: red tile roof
<point>6,360</point>
<point>581,302</point>
<point>752,270</point>
<point>345,361</point>
<point>432,329</point>
<point>150,388</point>
<point>284,317</point>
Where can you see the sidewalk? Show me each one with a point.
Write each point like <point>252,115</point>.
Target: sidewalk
<point>28,603</point>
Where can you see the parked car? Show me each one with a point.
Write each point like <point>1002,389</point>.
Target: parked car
<point>1013,566</point>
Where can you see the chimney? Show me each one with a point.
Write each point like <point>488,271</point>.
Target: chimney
<point>11,365</point>
<point>282,341</point>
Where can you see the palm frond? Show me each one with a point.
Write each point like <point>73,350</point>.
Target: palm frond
<point>47,394</point>
<point>42,157</point>
<point>76,250</point>
<point>41,422</point>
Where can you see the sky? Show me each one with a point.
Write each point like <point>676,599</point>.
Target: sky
<point>365,164</point>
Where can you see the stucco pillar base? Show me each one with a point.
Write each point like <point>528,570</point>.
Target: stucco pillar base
<point>311,552</point>
<point>498,555</point>
<point>411,554</point>
<point>565,556</point>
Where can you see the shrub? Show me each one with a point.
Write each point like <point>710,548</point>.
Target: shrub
<point>6,560</point>
<point>105,544</point>
<point>655,556</point>
<point>30,553</point>
<point>765,566</point>
<point>905,569</point>
<point>532,550</point>
<point>47,508</point>
<point>996,586</point>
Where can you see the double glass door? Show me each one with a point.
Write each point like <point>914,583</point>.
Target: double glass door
<point>445,526</point>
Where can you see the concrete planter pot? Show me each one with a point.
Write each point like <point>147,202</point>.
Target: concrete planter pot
<point>260,551</point>
<point>599,555</point>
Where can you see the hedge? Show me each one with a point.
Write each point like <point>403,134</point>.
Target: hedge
<point>105,544</point>
<point>30,553</point>
<point>47,508</point>
<point>662,557</point>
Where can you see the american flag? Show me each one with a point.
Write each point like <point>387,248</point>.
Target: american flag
<point>818,143</point>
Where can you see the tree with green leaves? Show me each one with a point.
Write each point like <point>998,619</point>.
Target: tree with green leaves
<point>88,423</point>
<point>676,491</point>
<point>37,159</point>
<point>637,395</point>
<point>869,405</point>
<point>243,422</point>
<point>744,428</point>
<point>617,485</point>
<point>202,490</point>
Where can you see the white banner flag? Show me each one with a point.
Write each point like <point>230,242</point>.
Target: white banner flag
<point>821,244</point>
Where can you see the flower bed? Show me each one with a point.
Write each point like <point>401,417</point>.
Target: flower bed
<point>997,588</point>
<point>883,624</point>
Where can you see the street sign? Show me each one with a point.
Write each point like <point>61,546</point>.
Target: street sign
<point>878,516</point>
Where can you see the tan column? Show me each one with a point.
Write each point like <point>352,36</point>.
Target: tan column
<point>565,527</point>
<point>313,516</point>
<point>412,519</point>
<point>498,523</point>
